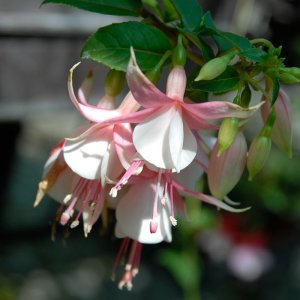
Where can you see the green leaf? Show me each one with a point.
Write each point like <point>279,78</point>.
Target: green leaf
<point>224,83</point>
<point>190,13</point>
<point>206,50</point>
<point>207,25</point>
<point>110,45</point>
<point>255,54</point>
<point>235,40</point>
<point>209,28</point>
<point>224,40</point>
<point>109,7</point>
<point>196,95</point>
<point>170,11</point>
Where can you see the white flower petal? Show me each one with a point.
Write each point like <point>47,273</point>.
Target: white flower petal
<point>152,141</point>
<point>189,148</point>
<point>63,186</point>
<point>84,155</point>
<point>104,166</point>
<point>176,140</point>
<point>134,214</point>
<point>51,160</point>
<point>114,167</point>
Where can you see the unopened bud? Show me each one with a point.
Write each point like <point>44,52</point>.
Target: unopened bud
<point>114,82</point>
<point>289,75</point>
<point>214,67</point>
<point>293,71</point>
<point>258,154</point>
<point>227,133</point>
<point>225,171</point>
<point>288,78</point>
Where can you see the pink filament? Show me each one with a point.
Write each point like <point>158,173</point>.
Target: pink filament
<point>124,179</point>
<point>79,188</point>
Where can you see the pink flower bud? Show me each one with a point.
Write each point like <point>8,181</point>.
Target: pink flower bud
<point>282,129</point>
<point>225,171</point>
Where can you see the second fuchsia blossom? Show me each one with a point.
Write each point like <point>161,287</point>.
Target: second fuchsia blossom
<point>80,168</point>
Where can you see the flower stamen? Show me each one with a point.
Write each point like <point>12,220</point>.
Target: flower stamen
<point>135,168</point>
<point>171,191</point>
<point>131,267</point>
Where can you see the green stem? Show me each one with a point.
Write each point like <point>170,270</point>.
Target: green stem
<point>164,58</point>
<point>258,87</point>
<point>262,41</point>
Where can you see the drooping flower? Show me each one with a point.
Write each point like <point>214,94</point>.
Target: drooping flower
<point>76,175</point>
<point>163,136</point>
<point>147,210</point>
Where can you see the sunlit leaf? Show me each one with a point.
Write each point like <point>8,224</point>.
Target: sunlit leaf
<point>110,45</point>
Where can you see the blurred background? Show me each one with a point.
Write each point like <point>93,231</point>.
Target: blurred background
<point>255,254</point>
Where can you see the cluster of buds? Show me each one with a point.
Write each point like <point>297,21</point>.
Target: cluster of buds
<point>140,158</point>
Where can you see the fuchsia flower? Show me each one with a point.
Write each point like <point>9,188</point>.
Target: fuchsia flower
<point>75,174</point>
<point>146,212</point>
<point>148,209</point>
<point>163,136</point>
<point>107,152</point>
